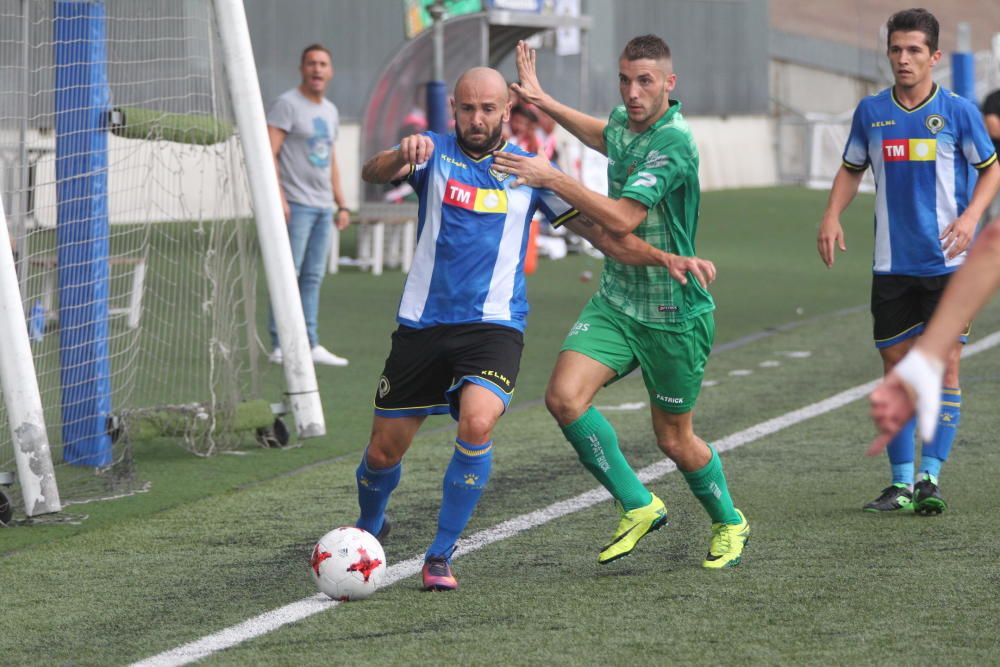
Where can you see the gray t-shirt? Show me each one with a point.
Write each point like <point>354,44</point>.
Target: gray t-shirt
<point>310,130</point>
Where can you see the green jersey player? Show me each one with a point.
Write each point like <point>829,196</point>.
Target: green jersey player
<point>652,318</point>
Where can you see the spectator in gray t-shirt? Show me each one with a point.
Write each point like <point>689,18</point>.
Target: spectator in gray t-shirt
<point>302,126</point>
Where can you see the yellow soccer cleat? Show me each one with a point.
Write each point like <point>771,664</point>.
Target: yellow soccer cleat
<point>728,541</point>
<point>635,524</point>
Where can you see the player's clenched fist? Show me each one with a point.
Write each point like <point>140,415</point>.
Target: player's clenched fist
<point>416,148</point>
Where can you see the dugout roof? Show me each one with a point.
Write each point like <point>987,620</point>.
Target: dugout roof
<point>474,39</point>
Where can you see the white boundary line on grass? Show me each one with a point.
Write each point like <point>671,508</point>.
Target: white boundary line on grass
<point>296,611</point>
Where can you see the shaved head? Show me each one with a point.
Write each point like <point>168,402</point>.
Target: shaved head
<point>486,81</point>
<point>481,107</point>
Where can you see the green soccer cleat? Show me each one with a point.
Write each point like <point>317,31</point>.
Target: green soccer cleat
<point>634,525</point>
<point>728,540</point>
<point>927,498</point>
<point>895,497</point>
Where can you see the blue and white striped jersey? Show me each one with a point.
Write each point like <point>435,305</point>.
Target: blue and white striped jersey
<point>924,161</point>
<point>472,235</point>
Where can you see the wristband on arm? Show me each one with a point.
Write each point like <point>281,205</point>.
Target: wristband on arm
<point>923,374</point>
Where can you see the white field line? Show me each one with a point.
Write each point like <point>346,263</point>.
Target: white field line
<point>296,611</point>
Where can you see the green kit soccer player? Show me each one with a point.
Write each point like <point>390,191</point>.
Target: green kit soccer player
<point>641,317</point>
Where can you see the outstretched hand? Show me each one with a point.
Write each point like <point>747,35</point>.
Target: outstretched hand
<point>535,170</point>
<point>892,405</point>
<point>914,385</point>
<point>702,269</point>
<point>527,86</point>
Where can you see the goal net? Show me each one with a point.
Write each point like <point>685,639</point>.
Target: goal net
<point>123,183</point>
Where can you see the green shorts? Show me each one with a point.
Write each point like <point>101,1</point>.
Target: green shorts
<point>672,359</point>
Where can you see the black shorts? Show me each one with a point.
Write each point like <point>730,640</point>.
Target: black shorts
<point>902,305</point>
<point>427,367</point>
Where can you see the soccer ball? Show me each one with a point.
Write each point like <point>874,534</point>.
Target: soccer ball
<point>348,563</point>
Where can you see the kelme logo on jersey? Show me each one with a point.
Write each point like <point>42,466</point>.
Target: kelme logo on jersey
<point>934,123</point>
<point>903,150</point>
<point>448,158</point>
<point>475,199</point>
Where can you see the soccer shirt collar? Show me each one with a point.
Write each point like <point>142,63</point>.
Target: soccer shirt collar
<point>668,116</point>
<point>921,105</point>
<point>672,110</point>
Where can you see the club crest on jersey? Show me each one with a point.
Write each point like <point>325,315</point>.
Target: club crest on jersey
<point>934,123</point>
<point>471,198</point>
<point>498,175</point>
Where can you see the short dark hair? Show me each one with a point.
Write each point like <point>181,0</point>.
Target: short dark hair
<point>314,47</point>
<point>915,20</point>
<point>646,47</point>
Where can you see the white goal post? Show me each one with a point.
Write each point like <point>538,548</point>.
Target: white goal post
<point>300,375</point>
<point>20,392</point>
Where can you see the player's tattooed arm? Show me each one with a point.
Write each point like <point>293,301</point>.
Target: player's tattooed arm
<point>630,249</point>
<point>396,163</point>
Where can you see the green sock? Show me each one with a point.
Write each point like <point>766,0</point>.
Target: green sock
<point>709,487</point>
<point>596,443</point>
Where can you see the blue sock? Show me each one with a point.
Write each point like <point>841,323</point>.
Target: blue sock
<point>464,481</point>
<point>931,465</point>
<point>374,489</point>
<point>935,452</point>
<point>901,449</point>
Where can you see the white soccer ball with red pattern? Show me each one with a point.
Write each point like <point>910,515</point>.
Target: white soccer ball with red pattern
<point>348,563</point>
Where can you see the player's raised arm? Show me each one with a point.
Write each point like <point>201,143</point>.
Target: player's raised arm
<point>395,163</point>
<point>831,233</point>
<point>586,128</point>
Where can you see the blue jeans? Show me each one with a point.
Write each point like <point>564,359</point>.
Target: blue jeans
<point>309,231</point>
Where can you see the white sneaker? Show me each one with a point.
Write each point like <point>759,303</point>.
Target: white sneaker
<point>321,355</point>
<point>276,357</point>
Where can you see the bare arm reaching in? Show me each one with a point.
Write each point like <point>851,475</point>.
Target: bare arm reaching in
<point>915,383</point>
<point>630,249</point>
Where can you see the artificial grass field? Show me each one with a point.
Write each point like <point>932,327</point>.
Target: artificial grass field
<point>216,541</point>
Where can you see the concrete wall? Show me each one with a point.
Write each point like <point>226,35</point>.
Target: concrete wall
<point>707,37</point>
